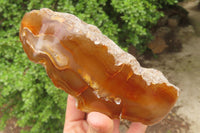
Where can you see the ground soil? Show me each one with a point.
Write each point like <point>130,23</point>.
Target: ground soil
<point>183,69</point>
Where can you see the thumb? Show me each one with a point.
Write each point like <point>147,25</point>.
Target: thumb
<point>99,123</point>
<point>137,127</point>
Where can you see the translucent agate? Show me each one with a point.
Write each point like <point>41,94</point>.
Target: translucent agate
<point>86,64</point>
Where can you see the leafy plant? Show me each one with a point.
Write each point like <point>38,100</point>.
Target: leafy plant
<point>26,92</point>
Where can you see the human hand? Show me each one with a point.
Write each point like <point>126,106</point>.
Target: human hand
<point>77,121</point>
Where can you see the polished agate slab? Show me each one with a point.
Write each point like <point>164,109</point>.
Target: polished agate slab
<point>86,64</point>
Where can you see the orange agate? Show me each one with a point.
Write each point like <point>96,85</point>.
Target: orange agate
<point>86,64</point>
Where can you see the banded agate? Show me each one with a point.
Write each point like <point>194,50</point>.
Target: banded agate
<point>86,64</point>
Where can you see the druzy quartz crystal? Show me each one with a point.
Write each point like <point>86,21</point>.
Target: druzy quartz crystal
<point>86,64</point>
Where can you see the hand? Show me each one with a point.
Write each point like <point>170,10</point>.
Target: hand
<point>77,121</point>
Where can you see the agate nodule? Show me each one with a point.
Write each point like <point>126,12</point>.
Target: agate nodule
<point>83,62</point>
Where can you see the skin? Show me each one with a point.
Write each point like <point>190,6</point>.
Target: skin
<point>77,121</point>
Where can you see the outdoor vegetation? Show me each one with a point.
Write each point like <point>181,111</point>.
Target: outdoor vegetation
<point>26,92</point>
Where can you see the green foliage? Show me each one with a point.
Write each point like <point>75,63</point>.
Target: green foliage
<point>26,92</point>
<point>137,17</point>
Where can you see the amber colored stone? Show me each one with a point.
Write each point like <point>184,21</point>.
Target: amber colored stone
<point>83,62</point>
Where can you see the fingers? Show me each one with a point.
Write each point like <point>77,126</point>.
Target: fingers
<point>99,123</point>
<point>116,125</point>
<point>72,113</point>
<point>137,127</point>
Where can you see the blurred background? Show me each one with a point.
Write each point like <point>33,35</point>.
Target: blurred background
<point>163,34</point>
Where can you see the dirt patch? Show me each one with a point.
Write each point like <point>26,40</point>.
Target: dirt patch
<point>173,123</point>
<point>11,126</point>
<point>182,68</point>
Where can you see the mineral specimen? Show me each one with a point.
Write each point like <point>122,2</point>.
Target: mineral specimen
<point>83,62</point>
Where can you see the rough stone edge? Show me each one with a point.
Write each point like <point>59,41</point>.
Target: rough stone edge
<point>151,76</point>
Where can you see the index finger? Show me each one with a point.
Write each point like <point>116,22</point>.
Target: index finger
<point>72,113</point>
